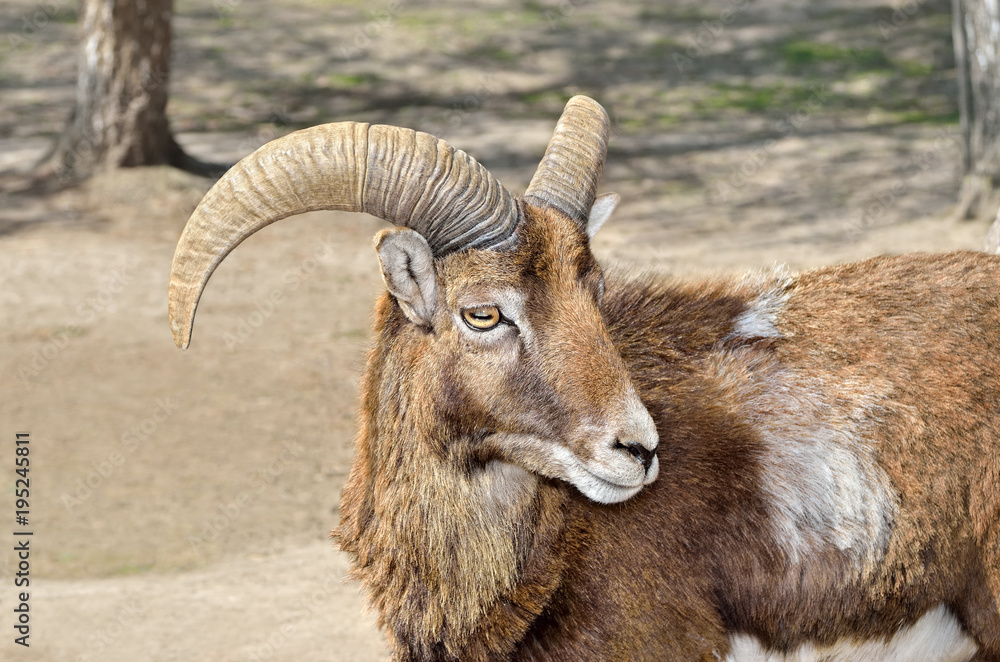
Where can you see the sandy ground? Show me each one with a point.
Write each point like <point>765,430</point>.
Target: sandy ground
<point>180,502</point>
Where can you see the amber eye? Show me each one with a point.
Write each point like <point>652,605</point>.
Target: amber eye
<point>481,318</point>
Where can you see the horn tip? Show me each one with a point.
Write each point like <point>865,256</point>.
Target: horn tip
<point>180,330</point>
<point>181,338</point>
<point>584,100</point>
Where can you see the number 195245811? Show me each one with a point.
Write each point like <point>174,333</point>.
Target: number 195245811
<point>22,484</point>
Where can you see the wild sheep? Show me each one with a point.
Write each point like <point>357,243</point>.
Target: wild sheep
<point>824,445</point>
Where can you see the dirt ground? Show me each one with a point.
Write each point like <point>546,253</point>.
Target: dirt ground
<point>180,502</point>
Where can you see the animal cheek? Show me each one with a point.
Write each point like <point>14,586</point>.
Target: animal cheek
<point>486,369</point>
<point>517,406</point>
<point>473,392</point>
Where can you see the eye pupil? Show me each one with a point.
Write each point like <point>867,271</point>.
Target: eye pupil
<point>481,318</point>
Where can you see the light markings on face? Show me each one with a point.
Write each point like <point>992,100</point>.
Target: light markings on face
<point>495,320</point>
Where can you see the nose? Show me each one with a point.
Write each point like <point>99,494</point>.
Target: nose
<point>642,455</point>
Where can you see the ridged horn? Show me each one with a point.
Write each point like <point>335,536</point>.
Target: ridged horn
<point>403,176</point>
<point>568,174</point>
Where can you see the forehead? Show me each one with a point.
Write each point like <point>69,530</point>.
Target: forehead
<point>551,248</point>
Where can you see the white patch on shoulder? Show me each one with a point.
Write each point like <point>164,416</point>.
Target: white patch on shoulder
<point>825,488</point>
<point>936,637</point>
<point>825,485</point>
<point>759,320</point>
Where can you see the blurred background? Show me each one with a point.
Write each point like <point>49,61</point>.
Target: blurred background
<point>181,502</point>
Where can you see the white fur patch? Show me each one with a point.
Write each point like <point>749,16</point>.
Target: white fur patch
<point>936,637</point>
<point>759,320</point>
<point>825,488</point>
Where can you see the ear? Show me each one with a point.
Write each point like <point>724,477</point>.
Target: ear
<point>408,271</point>
<point>601,211</point>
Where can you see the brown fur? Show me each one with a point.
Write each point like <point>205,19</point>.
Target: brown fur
<point>890,366</point>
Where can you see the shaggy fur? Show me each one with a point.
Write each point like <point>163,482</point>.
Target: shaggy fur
<point>829,462</point>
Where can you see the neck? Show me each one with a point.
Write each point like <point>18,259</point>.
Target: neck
<point>457,558</point>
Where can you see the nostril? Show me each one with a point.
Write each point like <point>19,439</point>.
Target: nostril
<point>643,455</point>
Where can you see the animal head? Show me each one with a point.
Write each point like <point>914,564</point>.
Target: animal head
<point>495,305</point>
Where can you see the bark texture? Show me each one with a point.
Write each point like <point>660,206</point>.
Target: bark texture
<point>976,29</point>
<point>120,115</point>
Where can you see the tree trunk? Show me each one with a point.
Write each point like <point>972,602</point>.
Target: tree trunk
<point>121,94</point>
<point>976,31</point>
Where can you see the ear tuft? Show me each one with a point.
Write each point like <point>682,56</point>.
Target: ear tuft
<point>407,265</point>
<point>601,211</point>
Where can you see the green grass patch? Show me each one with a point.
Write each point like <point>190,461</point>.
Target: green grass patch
<point>755,98</point>
<point>813,57</point>
<point>914,69</point>
<point>924,116</point>
<point>131,569</point>
<point>64,15</point>
<point>350,81</point>
<point>492,53</point>
<point>662,47</point>
<point>546,98</point>
<point>668,14</point>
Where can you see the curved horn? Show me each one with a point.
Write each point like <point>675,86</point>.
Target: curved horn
<point>405,177</point>
<point>568,173</point>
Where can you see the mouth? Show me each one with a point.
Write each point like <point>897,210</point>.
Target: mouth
<point>603,489</point>
<point>618,480</point>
